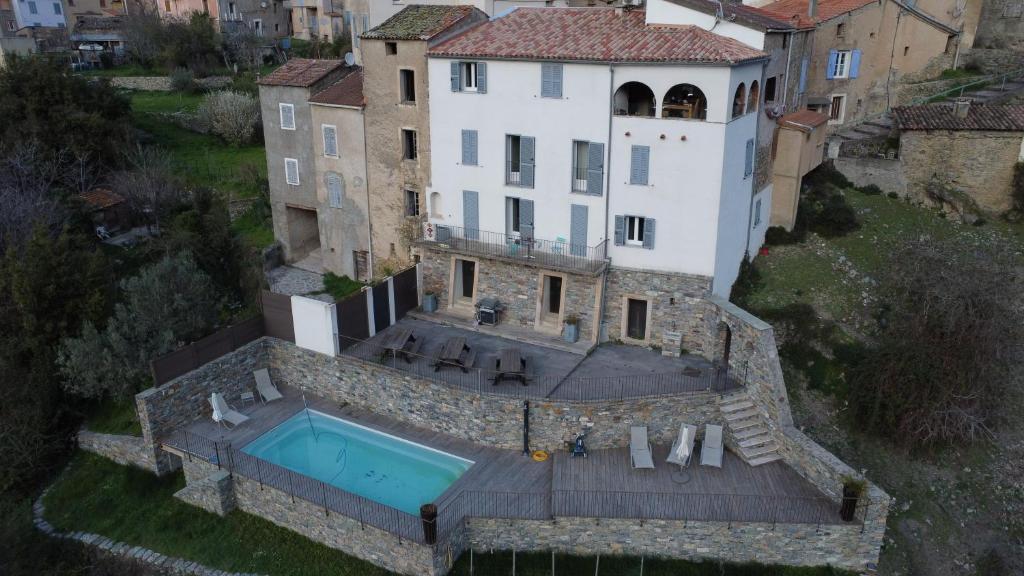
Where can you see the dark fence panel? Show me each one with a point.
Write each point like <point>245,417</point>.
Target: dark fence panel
<point>381,307</point>
<point>406,293</point>
<point>187,359</point>
<point>277,316</point>
<point>353,322</point>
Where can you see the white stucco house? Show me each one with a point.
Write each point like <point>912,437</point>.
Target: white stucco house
<point>39,13</point>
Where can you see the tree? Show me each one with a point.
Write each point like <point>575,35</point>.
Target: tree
<point>191,43</point>
<point>234,116</point>
<point>949,341</point>
<point>150,185</point>
<point>167,305</point>
<point>27,182</point>
<point>143,30</point>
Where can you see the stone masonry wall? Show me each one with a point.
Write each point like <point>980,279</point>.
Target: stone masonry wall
<point>163,83</point>
<point>676,304</point>
<point>516,285</point>
<point>794,544</point>
<point>491,420</point>
<point>978,163</point>
<point>126,450</point>
<point>207,487</point>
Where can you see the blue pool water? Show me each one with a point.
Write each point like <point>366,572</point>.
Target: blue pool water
<point>384,468</point>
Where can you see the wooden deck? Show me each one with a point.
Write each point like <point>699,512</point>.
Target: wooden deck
<point>507,484</point>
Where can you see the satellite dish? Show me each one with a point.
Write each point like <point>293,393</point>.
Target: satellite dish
<point>350,59</point>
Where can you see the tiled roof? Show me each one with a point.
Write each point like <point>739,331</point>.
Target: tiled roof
<point>100,198</point>
<point>734,11</point>
<point>796,10</point>
<point>418,22</point>
<point>941,117</point>
<point>803,120</point>
<point>301,72</point>
<point>592,34</point>
<point>345,92</point>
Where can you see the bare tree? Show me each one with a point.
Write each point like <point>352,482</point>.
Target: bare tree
<point>150,187</point>
<point>143,31</point>
<point>28,178</point>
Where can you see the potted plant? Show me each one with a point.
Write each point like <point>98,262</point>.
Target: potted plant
<point>853,490</point>
<point>429,301</point>
<point>571,333</point>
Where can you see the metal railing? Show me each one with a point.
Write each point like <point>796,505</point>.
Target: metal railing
<point>481,380</point>
<point>513,173</point>
<point>558,253</point>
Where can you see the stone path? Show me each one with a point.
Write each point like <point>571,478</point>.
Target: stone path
<point>294,282</point>
<point>165,564</point>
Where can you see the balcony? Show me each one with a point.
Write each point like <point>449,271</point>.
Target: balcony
<point>522,249</point>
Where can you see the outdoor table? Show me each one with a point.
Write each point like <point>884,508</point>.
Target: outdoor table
<point>395,342</point>
<point>454,353</point>
<point>512,365</point>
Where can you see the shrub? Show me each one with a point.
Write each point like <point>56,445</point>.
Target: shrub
<point>1017,190</point>
<point>834,218</point>
<point>870,190</point>
<point>748,282</point>
<point>231,115</point>
<point>893,195</point>
<point>182,80</point>
<point>827,174</point>
<point>340,286</point>
<point>779,236</point>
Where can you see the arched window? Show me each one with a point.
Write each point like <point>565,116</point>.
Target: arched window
<point>435,205</point>
<point>755,96</point>
<point>739,100</point>
<point>634,99</point>
<point>684,101</point>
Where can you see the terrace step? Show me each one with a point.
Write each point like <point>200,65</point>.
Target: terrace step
<point>741,414</point>
<point>750,432</point>
<point>758,440</point>
<point>762,450</point>
<point>764,459</point>
<point>745,424</point>
<point>734,407</point>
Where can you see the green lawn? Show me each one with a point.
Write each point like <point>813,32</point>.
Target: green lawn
<point>133,506</point>
<point>115,418</point>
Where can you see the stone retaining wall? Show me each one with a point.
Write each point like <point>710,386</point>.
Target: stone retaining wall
<point>163,83</point>
<point>882,172</point>
<point>994,60</point>
<point>126,450</point>
<point>675,304</point>
<point>486,419</point>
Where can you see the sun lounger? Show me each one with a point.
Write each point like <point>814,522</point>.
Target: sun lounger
<point>640,448</point>
<point>223,413</point>
<point>712,450</point>
<point>266,388</point>
<point>682,449</point>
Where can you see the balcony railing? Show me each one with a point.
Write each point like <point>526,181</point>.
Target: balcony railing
<point>559,253</point>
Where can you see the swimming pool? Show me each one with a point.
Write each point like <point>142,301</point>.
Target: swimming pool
<point>378,466</point>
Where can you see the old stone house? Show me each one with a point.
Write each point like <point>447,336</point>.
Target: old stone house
<point>268,18</point>
<point>961,155</point>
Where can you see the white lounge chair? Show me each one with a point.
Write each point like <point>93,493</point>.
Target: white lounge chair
<point>224,414</point>
<point>712,450</point>
<point>682,449</point>
<point>266,388</point>
<point>640,448</point>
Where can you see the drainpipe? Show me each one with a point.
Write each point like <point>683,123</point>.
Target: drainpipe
<point>785,78</point>
<point>369,212</point>
<point>607,202</point>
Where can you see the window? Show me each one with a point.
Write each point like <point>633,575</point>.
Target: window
<point>469,77</point>
<point>257,27</point>
<point>277,27</point>
<point>512,227</point>
<point>335,190</point>
<point>518,217</point>
<point>32,8</point>
<point>769,89</point>
<point>785,41</point>
<point>839,65</point>
<point>519,160</point>
<point>412,203</point>
<point>840,30</point>
<point>634,99</point>
<point>469,147</point>
<point>748,162</point>
<point>906,50</point>
<point>634,231</point>
<point>551,80</point>
<point>391,48</point>
<point>330,134</point>
<point>167,5</point>
<point>409,144</point>
<point>639,165</point>
<point>587,167</point>
<point>739,100</point>
<point>291,171</point>
<point>56,7</point>
<point>684,101</point>
<point>407,86</point>
<point>287,112</point>
<point>837,109</point>
<point>753,99</point>
<point>757,213</point>
<point>231,8</point>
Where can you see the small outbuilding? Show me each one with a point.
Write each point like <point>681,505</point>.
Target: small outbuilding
<point>108,210</point>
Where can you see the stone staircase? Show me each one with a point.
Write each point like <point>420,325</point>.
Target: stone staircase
<point>748,427</point>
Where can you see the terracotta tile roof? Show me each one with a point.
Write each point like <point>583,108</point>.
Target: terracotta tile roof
<point>592,34</point>
<point>941,117</point>
<point>796,10</point>
<point>345,92</point>
<point>803,120</point>
<point>100,198</point>
<point>418,22</point>
<point>747,15</point>
<point>301,72</point>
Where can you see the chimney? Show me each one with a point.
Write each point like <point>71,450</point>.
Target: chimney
<point>812,8</point>
<point>961,106</point>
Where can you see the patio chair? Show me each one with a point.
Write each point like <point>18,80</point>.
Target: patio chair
<point>640,448</point>
<point>712,449</point>
<point>224,414</point>
<point>682,449</point>
<point>268,392</point>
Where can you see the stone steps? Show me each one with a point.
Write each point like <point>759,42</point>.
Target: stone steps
<point>764,459</point>
<point>741,414</point>
<point>747,426</point>
<point>737,406</point>
<point>750,432</point>
<point>755,441</point>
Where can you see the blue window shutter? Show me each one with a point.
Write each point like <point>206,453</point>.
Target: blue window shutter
<point>833,55</point>
<point>335,189</point>
<point>481,77</point>
<point>595,168</point>
<point>456,76</point>
<point>348,18</point>
<point>469,147</point>
<point>526,218</point>
<point>649,233</point>
<point>527,160</point>
<point>854,63</point>
<point>748,164</point>
<point>471,214</point>
<point>638,167</point>
<point>620,230</point>
<point>803,76</point>
<point>551,80</point>
<point>578,230</point>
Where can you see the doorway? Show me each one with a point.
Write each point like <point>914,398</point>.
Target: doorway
<point>552,295</point>
<point>464,283</point>
<point>724,344</point>
<point>636,319</point>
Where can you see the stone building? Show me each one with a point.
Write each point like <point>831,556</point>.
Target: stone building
<point>961,155</point>
<point>800,148</point>
<point>864,48</point>
<point>1001,24</point>
<point>269,18</point>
